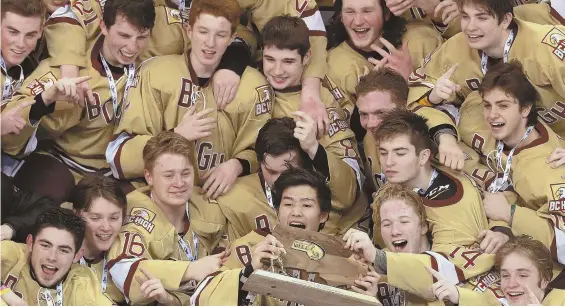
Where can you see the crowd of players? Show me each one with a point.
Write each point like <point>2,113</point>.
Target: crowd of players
<point>149,147</point>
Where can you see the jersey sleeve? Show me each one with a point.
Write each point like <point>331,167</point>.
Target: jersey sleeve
<point>253,111</point>
<point>468,297</point>
<point>141,120</point>
<point>206,220</point>
<point>88,291</point>
<point>220,288</point>
<point>457,264</point>
<point>437,120</point>
<point>63,26</point>
<point>128,255</point>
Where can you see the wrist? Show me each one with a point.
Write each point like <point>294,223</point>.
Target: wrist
<point>433,99</point>
<point>312,151</point>
<point>511,215</point>
<point>237,165</point>
<point>46,99</point>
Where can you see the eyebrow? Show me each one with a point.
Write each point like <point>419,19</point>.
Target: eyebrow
<point>498,101</point>
<point>301,199</point>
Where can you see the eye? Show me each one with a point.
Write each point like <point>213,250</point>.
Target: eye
<point>270,60</point>
<point>115,218</point>
<point>307,206</point>
<point>288,62</point>
<point>94,218</point>
<point>44,245</point>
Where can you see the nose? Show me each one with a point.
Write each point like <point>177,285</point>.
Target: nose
<point>51,255</point>
<point>357,19</point>
<point>395,231</point>
<point>493,113</point>
<point>296,211</point>
<point>373,122</point>
<point>278,68</point>
<point>20,41</point>
<point>471,24</point>
<point>389,160</point>
<point>105,225</point>
<point>210,41</point>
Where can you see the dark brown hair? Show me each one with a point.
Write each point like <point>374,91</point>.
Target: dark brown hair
<point>496,8</point>
<point>403,122</point>
<point>384,80</point>
<point>510,78</point>
<point>92,187</point>
<point>140,13</point>
<point>287,32</point>
<point>26,8</point>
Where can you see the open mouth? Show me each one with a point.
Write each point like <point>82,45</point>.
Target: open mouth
<point>497,125</point>
<point>400,244</point>
<point>361,30</point>
<point>515,294</point>
<point>49,270</point>
<point>129,56</point>
<point>297,225</point>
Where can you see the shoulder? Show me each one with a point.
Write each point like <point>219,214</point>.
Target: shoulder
<point>84,286</point>
<point>252,77</point>
<point>253,88</point>
<point>169,63</point>
<point>449,189</point>
<point>12,252</point>
<point>143,216</point>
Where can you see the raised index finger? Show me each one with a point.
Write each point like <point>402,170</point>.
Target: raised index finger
<point>147,274</point>
<point>79,80</point>
<point>435,273</point>
<point>387,44</point>
<point>533,299</point>
<point>450,72</point>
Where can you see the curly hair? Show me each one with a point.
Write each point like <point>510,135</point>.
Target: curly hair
<point>63,219</point>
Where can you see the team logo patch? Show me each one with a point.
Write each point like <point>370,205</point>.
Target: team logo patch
<point>556,39</point>
<point>37,86</point>
<point>337,124</point>
<point>482,282</point>
<point>173,16</point>
<point>332,87</point>
<point>312,250</point>
<point>266,95</point>
<point>142,217</point>
<point>558,203</point>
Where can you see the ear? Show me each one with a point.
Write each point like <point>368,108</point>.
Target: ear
<point>78,255</point>
<point>103,28</point>
<point>188,29</point>
<point>425,155</point>
<point>424,229</point>
<point>507,20</point>
<point>526,111</point>
<point>306,59</point>
<point>29,243</point>
<point>324,216</point>
<point>148,177</point>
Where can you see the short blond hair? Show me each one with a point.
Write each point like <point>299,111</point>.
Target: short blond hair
<point>393,191</point>
<point>167,142</point>
<point>531,249</point>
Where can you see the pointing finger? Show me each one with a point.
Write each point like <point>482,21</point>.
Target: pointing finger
<point>450,72</point>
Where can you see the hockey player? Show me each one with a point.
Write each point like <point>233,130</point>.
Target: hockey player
<point>525,268</point>
<point>183,102</point>
<point>164,240</point>
<point>102,204</point>
<point>301,199</point>
<point>515,147</point>
<point>404,152</point>
<point>286,53</point>
<point>81,135</point>
<point>22,26</point>
<point>249,205</point>
<point>41,272</point>
<point>385,90</point>
<point>491,35</point>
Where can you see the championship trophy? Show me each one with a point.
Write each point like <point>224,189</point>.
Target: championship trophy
<point>314,270</point>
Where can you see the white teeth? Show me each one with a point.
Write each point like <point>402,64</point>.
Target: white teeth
<point>515,293</point>
<point>128,55</point>
<point>208,52</point>
<point>497,124</point>
<point>361,30</point>
<point>399,242</point>
<point>50,267</point>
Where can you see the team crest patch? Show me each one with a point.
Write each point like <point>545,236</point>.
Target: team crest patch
<point>173,16</point>
<point>142,217</point>
<point>266,95</point>
<point>332,87</point>
<point>557,205</point>
<point>37,86</point>
<point>556,39</point>
<point>337,124</point>
<point>312,250</point>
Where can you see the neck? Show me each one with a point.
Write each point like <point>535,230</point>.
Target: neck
<point>90,252</point>
<point>497,51</point>
<point>174,214</point>
<point>514,140</point>
<point>8,65</point>
<point>422,181</point>
<point>108,56</point>
<point>425,244</point>
<point>202,71</point>
<point>377,42</point>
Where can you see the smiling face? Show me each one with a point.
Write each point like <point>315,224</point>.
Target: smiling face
<point>19,37</point>
<point>209,38</point>
<point>171,180</point>
<point>283,67</point>
<point>52,252</point>
<point>482,29</point>
<point>401,228</point>
<point>506,119</point>
<point>123,42</point>
<point>103,222</point>
<point>518,273</point>
<point>363,21</point>
<point>372,106</point>
<point>300,208</point>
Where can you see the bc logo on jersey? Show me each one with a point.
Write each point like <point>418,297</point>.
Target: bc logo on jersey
<point>556,39</point>
<point>37,86</point>
<point>142,217</point>
<point>558,203</point>
<point>265,94</point>
<point>337,124</point>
